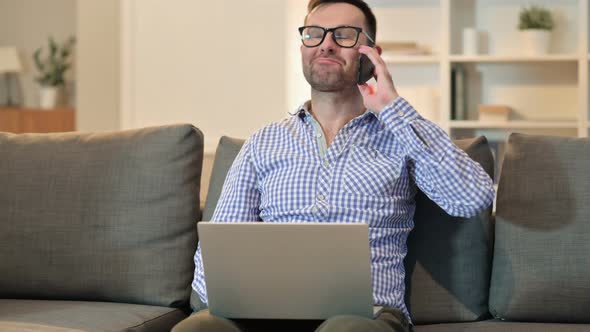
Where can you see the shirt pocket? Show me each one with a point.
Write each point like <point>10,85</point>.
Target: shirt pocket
<point>371,172</point>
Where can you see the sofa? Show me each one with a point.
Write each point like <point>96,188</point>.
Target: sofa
<point>522,269</point>
<point>97,233</point>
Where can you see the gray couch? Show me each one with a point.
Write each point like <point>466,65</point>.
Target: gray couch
<point>97,233</point>
<point>527,271</point>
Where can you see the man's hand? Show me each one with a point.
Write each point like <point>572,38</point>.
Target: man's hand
<point>376,98</point>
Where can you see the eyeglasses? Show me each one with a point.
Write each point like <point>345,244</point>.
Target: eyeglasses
<point>344,36</point>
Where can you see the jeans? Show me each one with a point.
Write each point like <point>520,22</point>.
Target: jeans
<point>388,320</point>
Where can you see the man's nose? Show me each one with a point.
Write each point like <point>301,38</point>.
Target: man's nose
<point>328,45</point>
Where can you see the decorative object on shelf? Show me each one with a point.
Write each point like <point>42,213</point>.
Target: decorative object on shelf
<point>494,113</point>
<point>470,41</point>
<point>458,93</point>
<point>535,25</point>
<point>403,48</point>
<point>52,69</point>
<point>9,65</point>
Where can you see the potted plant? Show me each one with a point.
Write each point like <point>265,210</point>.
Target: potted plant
<point>535,25</point>
<point>52,69</point>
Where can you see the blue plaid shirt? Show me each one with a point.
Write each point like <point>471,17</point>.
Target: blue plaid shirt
<point>370,173</point>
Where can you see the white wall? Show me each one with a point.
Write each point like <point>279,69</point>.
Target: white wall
<point>98,74</point>
<point>27,24</point>
<point>220,65</point>
<point>298,89</point>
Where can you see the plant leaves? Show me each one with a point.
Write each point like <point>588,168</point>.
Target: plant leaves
<point>53,67</point>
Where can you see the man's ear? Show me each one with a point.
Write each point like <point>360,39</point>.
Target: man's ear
<point>379,49</point>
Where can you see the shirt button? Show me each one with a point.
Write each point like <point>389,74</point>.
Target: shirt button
<point>321,197</point>
<point>314,210</point>
<point>326,164</point>
<point>401,113</point>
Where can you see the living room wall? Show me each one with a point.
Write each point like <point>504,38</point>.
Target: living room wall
<point>98,77</point>
<point>219,65</point>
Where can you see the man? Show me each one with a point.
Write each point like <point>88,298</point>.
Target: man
<point>353,152</point>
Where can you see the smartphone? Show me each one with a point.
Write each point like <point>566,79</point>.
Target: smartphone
<point>366,69</point>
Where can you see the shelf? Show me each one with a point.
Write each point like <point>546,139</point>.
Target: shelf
<point>410,59</point>
<point>35,120</point>
<point>35,109</point>
<point>515,124</point>
<point>513,58</point>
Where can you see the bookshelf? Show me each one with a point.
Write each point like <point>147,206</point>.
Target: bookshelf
<point>512,58</point>
<point>548,94</point>
<point>410,59</point>
<point>514,124</point>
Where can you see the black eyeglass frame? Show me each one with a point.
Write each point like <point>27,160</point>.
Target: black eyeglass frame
<point>358,33</point>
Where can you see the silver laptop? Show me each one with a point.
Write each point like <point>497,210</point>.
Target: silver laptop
<point>287,270</point>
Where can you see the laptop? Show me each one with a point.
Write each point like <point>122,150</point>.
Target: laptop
<point>264,270</point>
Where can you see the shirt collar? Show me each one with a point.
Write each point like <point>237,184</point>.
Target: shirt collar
<point>303,112</point>
<point>303,108</point>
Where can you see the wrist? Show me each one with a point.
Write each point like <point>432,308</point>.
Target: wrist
<point>388,103</point>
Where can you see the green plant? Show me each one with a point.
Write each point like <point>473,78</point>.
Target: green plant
<point>535,17</point>
<point>52,68</point>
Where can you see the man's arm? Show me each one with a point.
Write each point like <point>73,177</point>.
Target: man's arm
<point>445,173</point>
<point>239,201</point>
<point>240,197</point>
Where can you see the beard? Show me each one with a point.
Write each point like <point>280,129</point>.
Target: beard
<point>328,78</point>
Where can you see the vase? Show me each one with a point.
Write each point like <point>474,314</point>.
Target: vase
<point>535,41</point>
<point>470,41</point>
<point>49,97</point>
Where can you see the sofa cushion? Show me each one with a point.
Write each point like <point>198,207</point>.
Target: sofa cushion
<point>448,261</point>
<point>73,316</point>
<point>499,326</point>
<point>540,268</point>
<point>101,217</point>
<point>227,150</point>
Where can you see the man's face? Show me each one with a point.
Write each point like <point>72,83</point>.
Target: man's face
<point>329,67</point>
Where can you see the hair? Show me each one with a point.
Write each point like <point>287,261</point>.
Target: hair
<point>360,4</point>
